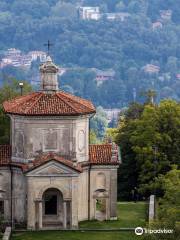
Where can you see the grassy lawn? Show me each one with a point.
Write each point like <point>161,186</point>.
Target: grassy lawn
<point>130,215</point>
<point>58,235</point>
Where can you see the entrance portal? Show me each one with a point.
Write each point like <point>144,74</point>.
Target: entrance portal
<point>52,208</point>
<point>50,203</point>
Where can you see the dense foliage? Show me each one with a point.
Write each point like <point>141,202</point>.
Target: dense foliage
<point>168,213</point>
<point>149,136</point>
<point>123,46</point>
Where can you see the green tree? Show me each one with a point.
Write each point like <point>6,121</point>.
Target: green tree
<point>128,171</point>
<point>168,207</point>
<point>63,9</point>
<point>99,122</point>
<point>150,143</point>
<point>93,137</point>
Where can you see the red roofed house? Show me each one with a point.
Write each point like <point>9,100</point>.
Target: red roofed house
<point>50,177</point>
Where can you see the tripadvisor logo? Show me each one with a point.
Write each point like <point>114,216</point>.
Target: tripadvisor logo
<point>139,231</point>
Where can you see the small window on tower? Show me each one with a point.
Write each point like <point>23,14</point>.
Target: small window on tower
<point>1,207</point>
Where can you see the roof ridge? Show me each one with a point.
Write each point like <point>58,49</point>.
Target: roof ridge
<point>40,103</point>
<point>101,144</point>
<point>53,157</point>
<point>40,95</point>
<point>69,104</point>
<point>76,100</point>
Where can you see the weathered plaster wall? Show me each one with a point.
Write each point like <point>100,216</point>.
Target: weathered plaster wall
<point>110,173</point>
<point>19,193</point>
<point>65,136</point>
<point>83,196</point>
<point>82,137</point>
<point>39,180</point>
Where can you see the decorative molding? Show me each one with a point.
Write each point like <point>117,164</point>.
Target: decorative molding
<point>81,140</point>
<point>52,169</point>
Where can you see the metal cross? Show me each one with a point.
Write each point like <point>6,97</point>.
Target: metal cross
<point>48,45</point>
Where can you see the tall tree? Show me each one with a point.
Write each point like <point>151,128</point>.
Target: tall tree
<point>150,143</point>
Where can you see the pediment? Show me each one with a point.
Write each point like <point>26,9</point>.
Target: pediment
<point>52,168</point>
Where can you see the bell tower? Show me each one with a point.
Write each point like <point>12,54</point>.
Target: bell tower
<point>49,76</point>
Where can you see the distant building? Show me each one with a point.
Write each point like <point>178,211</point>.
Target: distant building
<point>89,13</point>
<point>166,14</point>
<point>93,13</point>
<point>104,75</point>
<point>150,68</point>
<point>157,25</point>
<point>112,113</point>
<point>12,52</point>
<point>122,16</point>
<point>38,54</point>
<point>14,57</point>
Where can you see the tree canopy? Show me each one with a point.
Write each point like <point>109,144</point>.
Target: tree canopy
<point>149,137</point>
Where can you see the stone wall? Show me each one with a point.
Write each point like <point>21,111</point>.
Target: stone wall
<point>151,208</point>
<point>7,234</point>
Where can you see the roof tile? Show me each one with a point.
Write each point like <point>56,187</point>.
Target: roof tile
<point>43,158</point>
<point>5,154</point>
<point>40,103</point>
<point>103,154</point>
<point>99,154</point>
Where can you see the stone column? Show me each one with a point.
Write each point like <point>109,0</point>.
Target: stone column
<point>70,214</point>
<point>40,214</point>
<point>65,215</point>
<point>113,195</point>
<point>74,203</point>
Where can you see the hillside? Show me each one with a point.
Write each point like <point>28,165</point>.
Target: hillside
<point>143,49</point>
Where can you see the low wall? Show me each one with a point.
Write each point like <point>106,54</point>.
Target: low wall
<point>7,234</point>
<point>151,208</point>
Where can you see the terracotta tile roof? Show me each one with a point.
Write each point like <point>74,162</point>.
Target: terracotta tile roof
<point>5,157</point>
<point>40,103</point>
<point>103,154</point>
<point>44,158</point>
<point>99,154</point>
<point>5,154</point>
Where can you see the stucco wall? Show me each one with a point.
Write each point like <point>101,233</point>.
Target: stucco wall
<point>37,184</point>
<point>83,196</point>
<point>18,194</point>
<point>82,137</point>
<point>110,173</point>
<point>67,136</point>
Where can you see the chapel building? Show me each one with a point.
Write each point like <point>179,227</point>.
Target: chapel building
<point>50,176</point>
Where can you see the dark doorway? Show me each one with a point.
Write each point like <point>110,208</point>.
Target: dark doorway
<point>1,207</point>
<point>50,204</point>
<point>52,208</point>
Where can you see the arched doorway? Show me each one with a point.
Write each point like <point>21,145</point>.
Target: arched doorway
<point>100,204</point>
<point>52,208</point>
